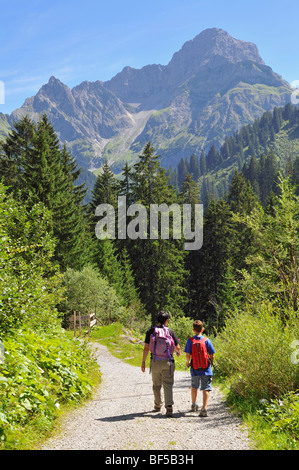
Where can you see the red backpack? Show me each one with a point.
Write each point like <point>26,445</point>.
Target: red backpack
<point>199,353</point>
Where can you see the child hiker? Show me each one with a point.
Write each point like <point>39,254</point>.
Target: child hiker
<point>201,352</point>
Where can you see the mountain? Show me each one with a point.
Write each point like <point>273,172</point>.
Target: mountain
<point>259,150</point>
<point>211,87</point>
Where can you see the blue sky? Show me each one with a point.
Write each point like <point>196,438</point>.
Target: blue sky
<point>93,40</point>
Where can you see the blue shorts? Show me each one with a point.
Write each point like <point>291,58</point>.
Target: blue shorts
<point>205,382</point>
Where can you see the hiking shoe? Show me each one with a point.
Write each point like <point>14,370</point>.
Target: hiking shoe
<point>169,411</point>
<point>194,407</point>
<point>157,408</point>
<point>203,413</point>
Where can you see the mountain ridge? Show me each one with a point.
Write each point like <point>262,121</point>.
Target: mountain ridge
<point>211,87</point>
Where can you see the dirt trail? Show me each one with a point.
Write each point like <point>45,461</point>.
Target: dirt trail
<point>120,416</point>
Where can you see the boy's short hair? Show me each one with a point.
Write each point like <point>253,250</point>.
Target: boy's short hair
<point>197,326</point>
<point>162,317</point>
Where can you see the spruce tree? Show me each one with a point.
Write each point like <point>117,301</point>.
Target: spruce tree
<point>130,293</point>
<point>108,262</point>
<point>190,193</point>
<point>213,158</point>
<point>194,167</point>
<point>76,246</point>
<point>182,172</point>
<point>126,184</point>
<point>105,253</point>
<point>273,273</point>
<point>15,151</point>
<point>203,163</point>
<point>46,173</point>
<point>242,200</point>
<point>158,264</point>
<point>43,172</point>
<point>210,263</point>
<point>105,189</point>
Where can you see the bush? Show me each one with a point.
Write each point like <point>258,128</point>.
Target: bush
<point>87,291</point>
<point>255,353</point>
<point>40,372</point>
<point>183,327</point>
<point>282,416</point>
<point>30,282</point>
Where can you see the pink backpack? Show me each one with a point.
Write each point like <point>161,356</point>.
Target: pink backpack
<point>161,344</point>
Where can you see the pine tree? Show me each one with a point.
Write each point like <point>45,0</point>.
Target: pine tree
<point>213,158</point>
<point>126,184</point>
<point>157,263</point>
<point>273,274</point>
<point>76,246</point>
<point>109,264</point>
<point>210,263</point>
<point>242,200</point>
<point>105,189</point>
<point>47,174</point>
<point>190,193</point>
<point>16,150</point>
<point>105,250</point>
<point>194,167</point>
<point>182,171</point>
<point>203,163</point>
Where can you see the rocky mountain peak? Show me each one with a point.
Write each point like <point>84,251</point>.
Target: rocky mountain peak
<point>212,47</point>
<point>213,85</point>
<point>54,92</point>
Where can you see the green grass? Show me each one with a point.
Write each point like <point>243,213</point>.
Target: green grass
<point>271,424</point>
<point>129,352</point>
<point>110,336</point>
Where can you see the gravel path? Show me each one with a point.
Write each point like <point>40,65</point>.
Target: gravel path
<point>120,417</point>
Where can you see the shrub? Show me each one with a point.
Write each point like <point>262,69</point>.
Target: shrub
<point>282,415</point>
<point>40,372</point>
<point>87,291</point>
<point>29,282</point>
<point>183,327</point>
<point>255,353</point>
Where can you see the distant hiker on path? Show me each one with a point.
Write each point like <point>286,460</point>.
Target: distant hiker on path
<point>201,351</point>
<point>161,342</point>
